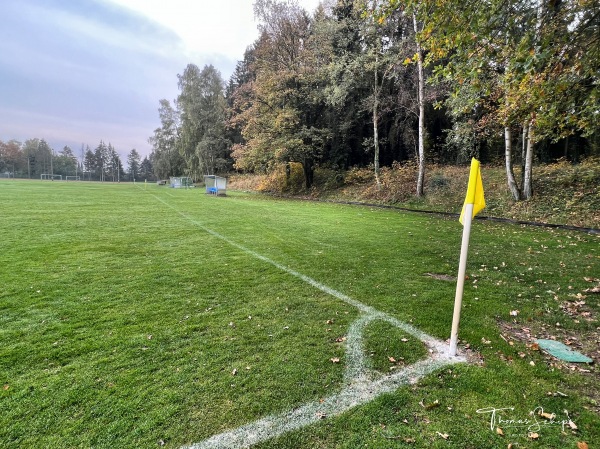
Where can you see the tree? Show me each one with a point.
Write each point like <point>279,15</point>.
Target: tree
<point>11,157</point>
<point>338,39</point>
<point>165,156</point>
<point>89,163</point>
<point>524,65</point>
<point>281,110</point>
<point>101,164</point>
<point>133,164</point>
<point>65,163</point>
<point>201,105</point>
<point>380,56</point>
<point>146,170</point>
<point>114,165</point>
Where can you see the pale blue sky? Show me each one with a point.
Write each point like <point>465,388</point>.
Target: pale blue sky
<point>76,72</point>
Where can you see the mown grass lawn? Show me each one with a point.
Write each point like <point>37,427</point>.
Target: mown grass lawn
<point>139,316</point>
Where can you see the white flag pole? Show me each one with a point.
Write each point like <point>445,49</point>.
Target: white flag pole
<point>460,282</point>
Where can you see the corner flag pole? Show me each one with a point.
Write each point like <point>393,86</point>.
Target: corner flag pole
<point>474,202</point>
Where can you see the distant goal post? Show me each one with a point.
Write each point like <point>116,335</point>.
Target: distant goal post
<point>50,176</point>
<point>72,178</point>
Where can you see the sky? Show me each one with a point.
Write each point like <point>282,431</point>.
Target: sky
<point>78,72</point>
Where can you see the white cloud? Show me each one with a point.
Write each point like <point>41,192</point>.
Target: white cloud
<point>225,27</point>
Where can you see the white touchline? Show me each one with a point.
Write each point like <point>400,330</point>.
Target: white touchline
<point>361,384</point>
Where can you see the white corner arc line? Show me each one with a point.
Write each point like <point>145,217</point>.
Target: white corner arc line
<point>361,385</point>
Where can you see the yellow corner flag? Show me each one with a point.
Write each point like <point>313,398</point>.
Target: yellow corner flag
<point>474,191</point>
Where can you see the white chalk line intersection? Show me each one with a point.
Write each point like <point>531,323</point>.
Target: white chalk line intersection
<point>362,385</point>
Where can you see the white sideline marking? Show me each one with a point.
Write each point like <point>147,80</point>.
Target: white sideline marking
<point>361,384</point>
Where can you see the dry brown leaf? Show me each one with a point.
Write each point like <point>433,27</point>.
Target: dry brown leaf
<point>403,340</point>
<point>549,416</point>
<point>340,339</point>
<point>392,359</point>
<point>6,387</point>
<point>329,321</point>
<point>445,436</point>
<point>499,431</point>
<point>335,359</point>
<point>533,436</point>
<point>582,445</point>
<point>234,372</point>
<point>572,425</point>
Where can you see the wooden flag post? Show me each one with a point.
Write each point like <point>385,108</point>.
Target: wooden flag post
<point>474,202</point>
<point>460,282</point>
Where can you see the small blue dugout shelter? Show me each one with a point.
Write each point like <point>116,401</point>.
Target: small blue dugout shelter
<point>215,185</point>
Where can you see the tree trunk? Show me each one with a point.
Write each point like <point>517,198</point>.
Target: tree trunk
<point>528,169</point>
<point>510,175</point>
<point>375,126</point>
<point>524,151</point>
<point>309,172</point>
<point>421,103</point>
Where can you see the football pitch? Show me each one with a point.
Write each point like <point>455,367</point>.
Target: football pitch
<point>136,315</point>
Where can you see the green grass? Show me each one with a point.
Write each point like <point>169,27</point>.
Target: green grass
<point>122,320</point>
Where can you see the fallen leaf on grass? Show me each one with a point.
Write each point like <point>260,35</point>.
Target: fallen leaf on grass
<point>434,404</point>
<point>6,387</point>
<point>548,416</point>
<point>557,393</point>
<point>534,436</point>
<point>335,359</point>
<point>234,372</point>
<point>329,321</point>
<point>340,339</point>
<point>514,312</point>
<point>572,425</point>
<point>445,436</point>
<point>582,445</point>
<point>499,431</point>
<point>403,340</point>
<point>392,359</point>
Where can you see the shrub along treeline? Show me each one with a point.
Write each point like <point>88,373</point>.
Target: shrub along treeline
<point>381,83</point>
<point>565,193</point>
